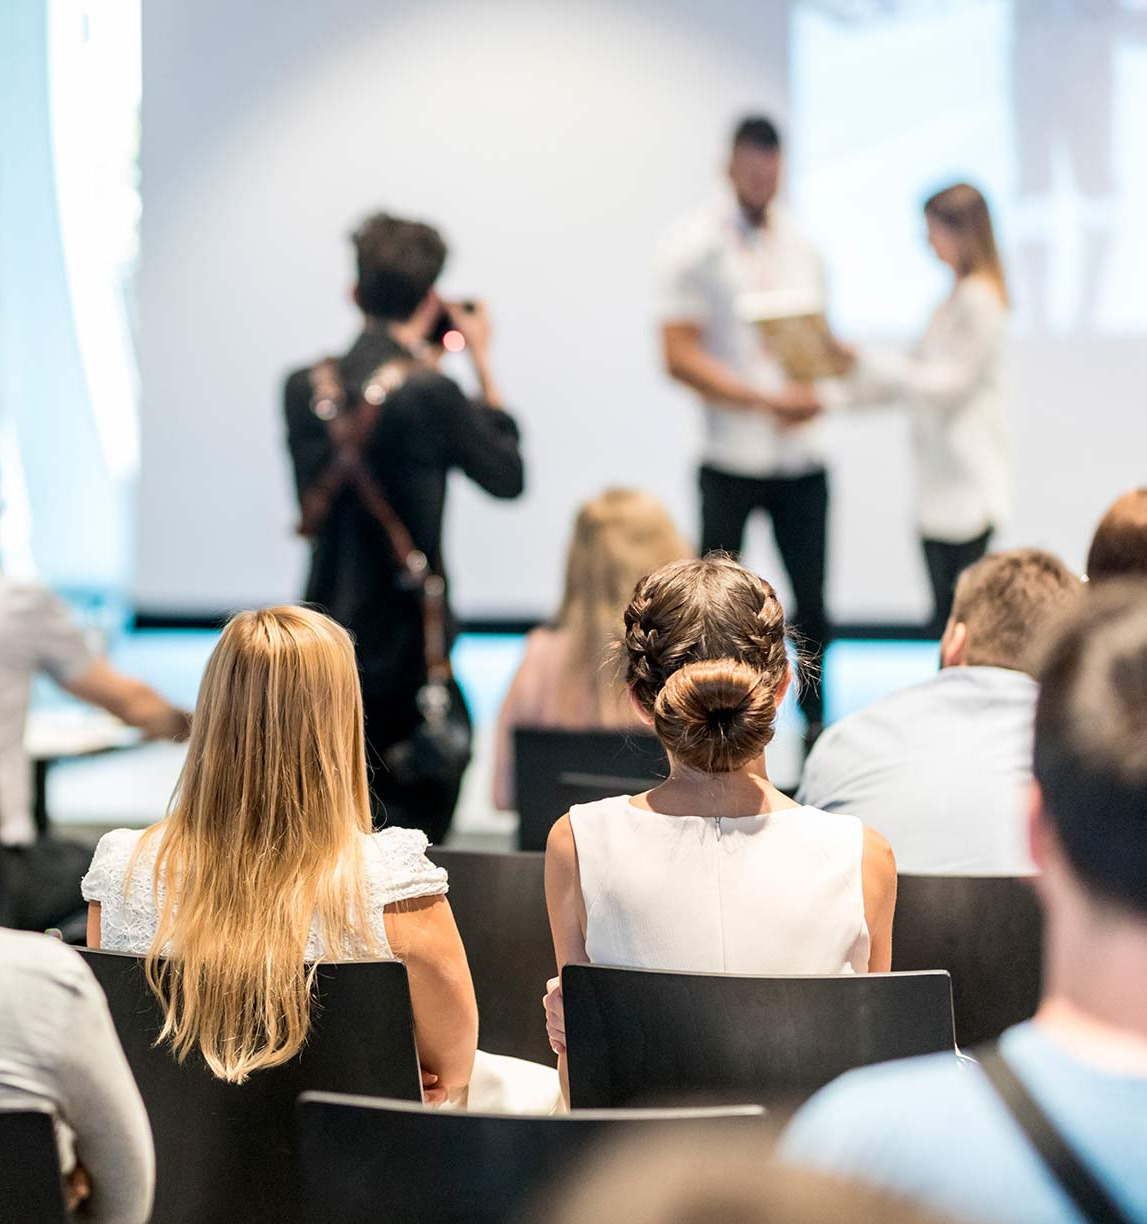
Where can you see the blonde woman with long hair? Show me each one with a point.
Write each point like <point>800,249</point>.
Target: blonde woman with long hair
<point>269,846</point>
<point>956,383</point>
<point>568,676</point>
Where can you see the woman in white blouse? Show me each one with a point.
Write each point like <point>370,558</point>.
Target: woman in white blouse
<point>955,380</point>
<point>715,870</point>
<point>266,864</point>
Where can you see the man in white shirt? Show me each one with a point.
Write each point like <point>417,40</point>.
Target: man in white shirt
<point>760,452</point>
<point>943,768</point>
<point>60,1055</point>
<point>39,634</point>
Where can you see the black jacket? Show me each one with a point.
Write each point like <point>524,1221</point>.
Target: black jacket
<point>427,427</point>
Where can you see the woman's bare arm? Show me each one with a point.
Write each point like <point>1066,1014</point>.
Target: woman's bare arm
<point>878,873</point>
<point>423,933</point>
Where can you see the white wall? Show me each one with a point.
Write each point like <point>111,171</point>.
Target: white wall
<point>553,141</point>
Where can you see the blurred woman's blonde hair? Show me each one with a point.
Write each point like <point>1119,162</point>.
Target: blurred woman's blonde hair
<point>263,835</point>
<point>618,538</point>
<point>962,210</point>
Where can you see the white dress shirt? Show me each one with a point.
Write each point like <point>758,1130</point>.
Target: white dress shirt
<point>956,381</point>
<point>942,769</point>
<point>706,264</point>
<point>59,1055</point>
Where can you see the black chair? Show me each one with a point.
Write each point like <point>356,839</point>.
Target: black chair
<point>499,903</point>
<point>225,1152</point>
<point>640,1036</point>
<point>31,1191</point>
<point>554,769</point>
<point>986,931</point>
<point>368,1159</point>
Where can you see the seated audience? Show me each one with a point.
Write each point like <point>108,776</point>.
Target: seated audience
<point>1119,546</point>
<point>59,1054</point>
<point>567,677</point>
<point>940,1131</point>
<point>715,870</point>
<point>267,863</point>
<point>942,768</point>
<point>39,634</point>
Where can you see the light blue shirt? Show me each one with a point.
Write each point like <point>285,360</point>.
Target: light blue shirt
<point>941,769</point>
<point>934,1130</point>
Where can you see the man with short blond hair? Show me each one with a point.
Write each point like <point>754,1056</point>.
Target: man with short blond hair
<point>941,768</point>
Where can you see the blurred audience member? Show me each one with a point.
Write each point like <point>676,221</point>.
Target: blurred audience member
<point>942,768</point>
<point>715,870</point>
<point>372,438</point>
<point>39,634</point>
<point>710,1176</point>
<point>568,676</point>
<point>268,840</point>
<point>59,1054</point>
<point>940,1131</point>
<point>1119,546</point>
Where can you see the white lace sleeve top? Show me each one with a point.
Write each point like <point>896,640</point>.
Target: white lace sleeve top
<point>394,861</point>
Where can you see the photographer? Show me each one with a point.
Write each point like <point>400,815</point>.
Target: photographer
<point>372,436</point>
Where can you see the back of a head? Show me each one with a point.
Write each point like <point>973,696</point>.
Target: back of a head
<point>1091,741</point>
<point>705,656</point>
<point>262,835</point>
<point>1119,546</point>
<point>964,213</point>
<point>398,263</point>
<point>1006,599</point>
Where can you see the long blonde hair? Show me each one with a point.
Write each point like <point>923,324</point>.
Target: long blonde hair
<point>962,210</point>
<point>262,836</point>
<point>617,539</point>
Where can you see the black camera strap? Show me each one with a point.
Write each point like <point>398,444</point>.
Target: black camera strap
<point>1077,1181</point>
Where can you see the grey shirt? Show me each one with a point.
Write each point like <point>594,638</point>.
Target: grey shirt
<point>942,769</point>
<point>59,1054</point>
<point>37,634</point>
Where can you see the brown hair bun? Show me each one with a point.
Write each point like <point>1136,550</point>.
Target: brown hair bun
<point>715,714</point>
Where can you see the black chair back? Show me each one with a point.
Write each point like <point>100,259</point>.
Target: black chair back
<point>986,931</point>
<point>225,1152</point>
<point>499,903</point>
<point>368,1159</point>
<point>640,1036</point>
<point>30,1188</point>
<point>554,769</point>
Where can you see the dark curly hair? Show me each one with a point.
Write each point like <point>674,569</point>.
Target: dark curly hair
<point>705,655</point>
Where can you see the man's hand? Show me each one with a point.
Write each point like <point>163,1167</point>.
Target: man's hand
<point>431,1093</point>
<point>474,324</point>
<point>794,404</point>
<point>555,1015</point>
<point>77,1189</point>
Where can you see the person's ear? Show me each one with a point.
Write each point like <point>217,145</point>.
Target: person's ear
<point>954,645</point>
<point>639,709</point>
<point>783,687</point>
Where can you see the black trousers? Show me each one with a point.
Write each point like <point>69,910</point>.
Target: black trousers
<point>427,804</point>
<point>798,507</point>
<point>946,561</point>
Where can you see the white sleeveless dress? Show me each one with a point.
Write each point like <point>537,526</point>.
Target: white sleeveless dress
<point>774,894</point>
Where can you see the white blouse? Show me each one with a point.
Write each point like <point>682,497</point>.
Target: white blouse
<point>394,862</point>
<point>775,894</point>
<point>956,381</point>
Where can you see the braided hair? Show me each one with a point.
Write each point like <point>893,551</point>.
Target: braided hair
<point>705,656</point>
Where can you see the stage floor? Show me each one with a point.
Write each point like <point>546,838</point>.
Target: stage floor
<point>132,786</point>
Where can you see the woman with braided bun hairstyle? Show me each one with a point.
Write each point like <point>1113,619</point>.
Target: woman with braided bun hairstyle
<point>715,870</point>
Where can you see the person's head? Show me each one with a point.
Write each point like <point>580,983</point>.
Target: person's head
<point>706,661</point>
<point>1089,823</point>
<point>262,836</point>
<point>398,263</point>
<point>1001,604</point>
<point>960,232</point>
<point>618,537</point>
<point>1119,546</point>
<point>755,165</point>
